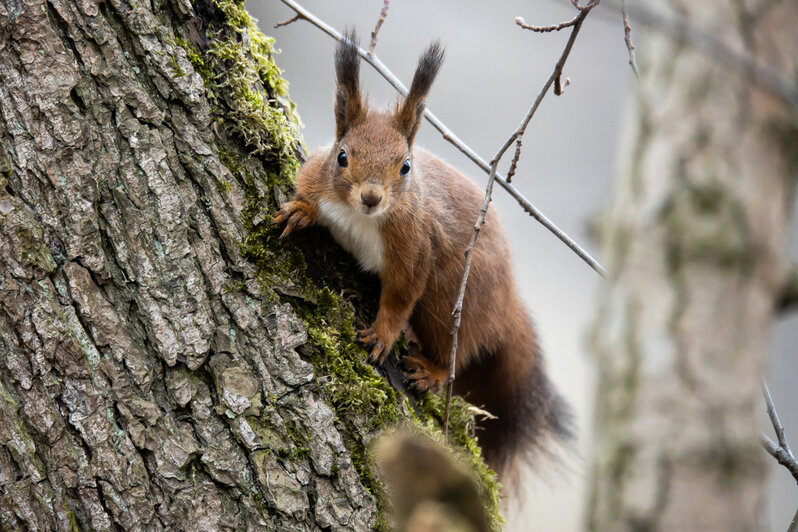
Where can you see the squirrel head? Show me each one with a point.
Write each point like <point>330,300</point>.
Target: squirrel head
<point>371,160</point>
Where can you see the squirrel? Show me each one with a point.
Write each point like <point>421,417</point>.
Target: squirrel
<point>408,216</point>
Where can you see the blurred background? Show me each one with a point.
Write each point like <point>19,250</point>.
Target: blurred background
<point>492,73</point>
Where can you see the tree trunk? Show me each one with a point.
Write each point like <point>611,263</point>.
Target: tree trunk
<point>166,361</point>
<point>695,242</point>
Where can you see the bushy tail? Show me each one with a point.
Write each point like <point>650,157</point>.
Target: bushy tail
<point>530,414</point>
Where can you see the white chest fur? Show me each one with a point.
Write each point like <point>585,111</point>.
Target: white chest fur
<point>358,233</point>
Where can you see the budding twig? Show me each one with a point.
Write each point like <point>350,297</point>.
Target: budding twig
<point>516,157</point>
<point>546,29</point>
<point>383,14</point>
<point>627,37</point>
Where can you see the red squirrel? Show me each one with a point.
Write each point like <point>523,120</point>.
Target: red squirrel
<point>408,216</point>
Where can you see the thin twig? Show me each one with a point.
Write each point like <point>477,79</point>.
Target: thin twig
<point>289,21</point>
<point>458,307</point>
<point>627,37</point>
<point>774,417</point>
<point>450,137</point>
<point>794,524</point>
<point>469,253</point>
<point>383,14</point>
<point>780,452</point>
<point>545,29</point>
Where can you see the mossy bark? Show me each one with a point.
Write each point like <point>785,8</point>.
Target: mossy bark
<point>165,361</point>
<point>695,243</point>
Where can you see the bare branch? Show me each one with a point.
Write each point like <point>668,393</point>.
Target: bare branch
<point>383,14</point>
<point>450,137</point>
<point>774,418</point>
<point>780,452</point>
<point>627,37</point>
<point>515,137</point>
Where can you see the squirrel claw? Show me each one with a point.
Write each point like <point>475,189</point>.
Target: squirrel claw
<point>378,353</point>
<point>368,339</point>
<point>423,375</point>
<point>365,336</point>
<point>294,215</point>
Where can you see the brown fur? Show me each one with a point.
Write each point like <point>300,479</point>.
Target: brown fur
<point>425,221</point>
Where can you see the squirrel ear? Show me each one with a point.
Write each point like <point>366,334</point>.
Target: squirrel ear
<point>409,111</point>
<point>349,107</point>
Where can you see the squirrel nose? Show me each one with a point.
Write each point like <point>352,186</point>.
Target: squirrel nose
<point>370,198</point>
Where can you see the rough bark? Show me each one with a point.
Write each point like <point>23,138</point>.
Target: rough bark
<point>155,369</point>
<point>695,243</point>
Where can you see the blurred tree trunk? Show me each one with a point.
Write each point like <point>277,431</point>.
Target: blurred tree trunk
<point>148,371</point>
<point>695,242</point>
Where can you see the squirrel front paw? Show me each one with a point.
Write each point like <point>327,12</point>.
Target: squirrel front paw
<point>369,339</point>
<point>295,215</point>
<point>424,375</point>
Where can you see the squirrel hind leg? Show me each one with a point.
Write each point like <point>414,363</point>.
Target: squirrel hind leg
<point>420,370</point>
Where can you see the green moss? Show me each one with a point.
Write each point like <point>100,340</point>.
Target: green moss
<point>242,78</point>
<point>201,67</point>
<point>178,72</point>
<point>223,187</point>
<point>356,388</point>
<point>299,438</point>
<point>73,522</point>
<point>363,401</point>
<point>238,286</point>
<point>245,88</point>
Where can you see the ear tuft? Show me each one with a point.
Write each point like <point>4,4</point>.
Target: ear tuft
<point>349,108</point>
<point>409,112</point>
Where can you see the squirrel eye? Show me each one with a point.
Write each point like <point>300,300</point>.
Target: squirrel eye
<point>343,162</point>
<point>405,168</point>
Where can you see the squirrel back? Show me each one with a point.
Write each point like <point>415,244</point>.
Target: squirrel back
<point>408,216</point>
